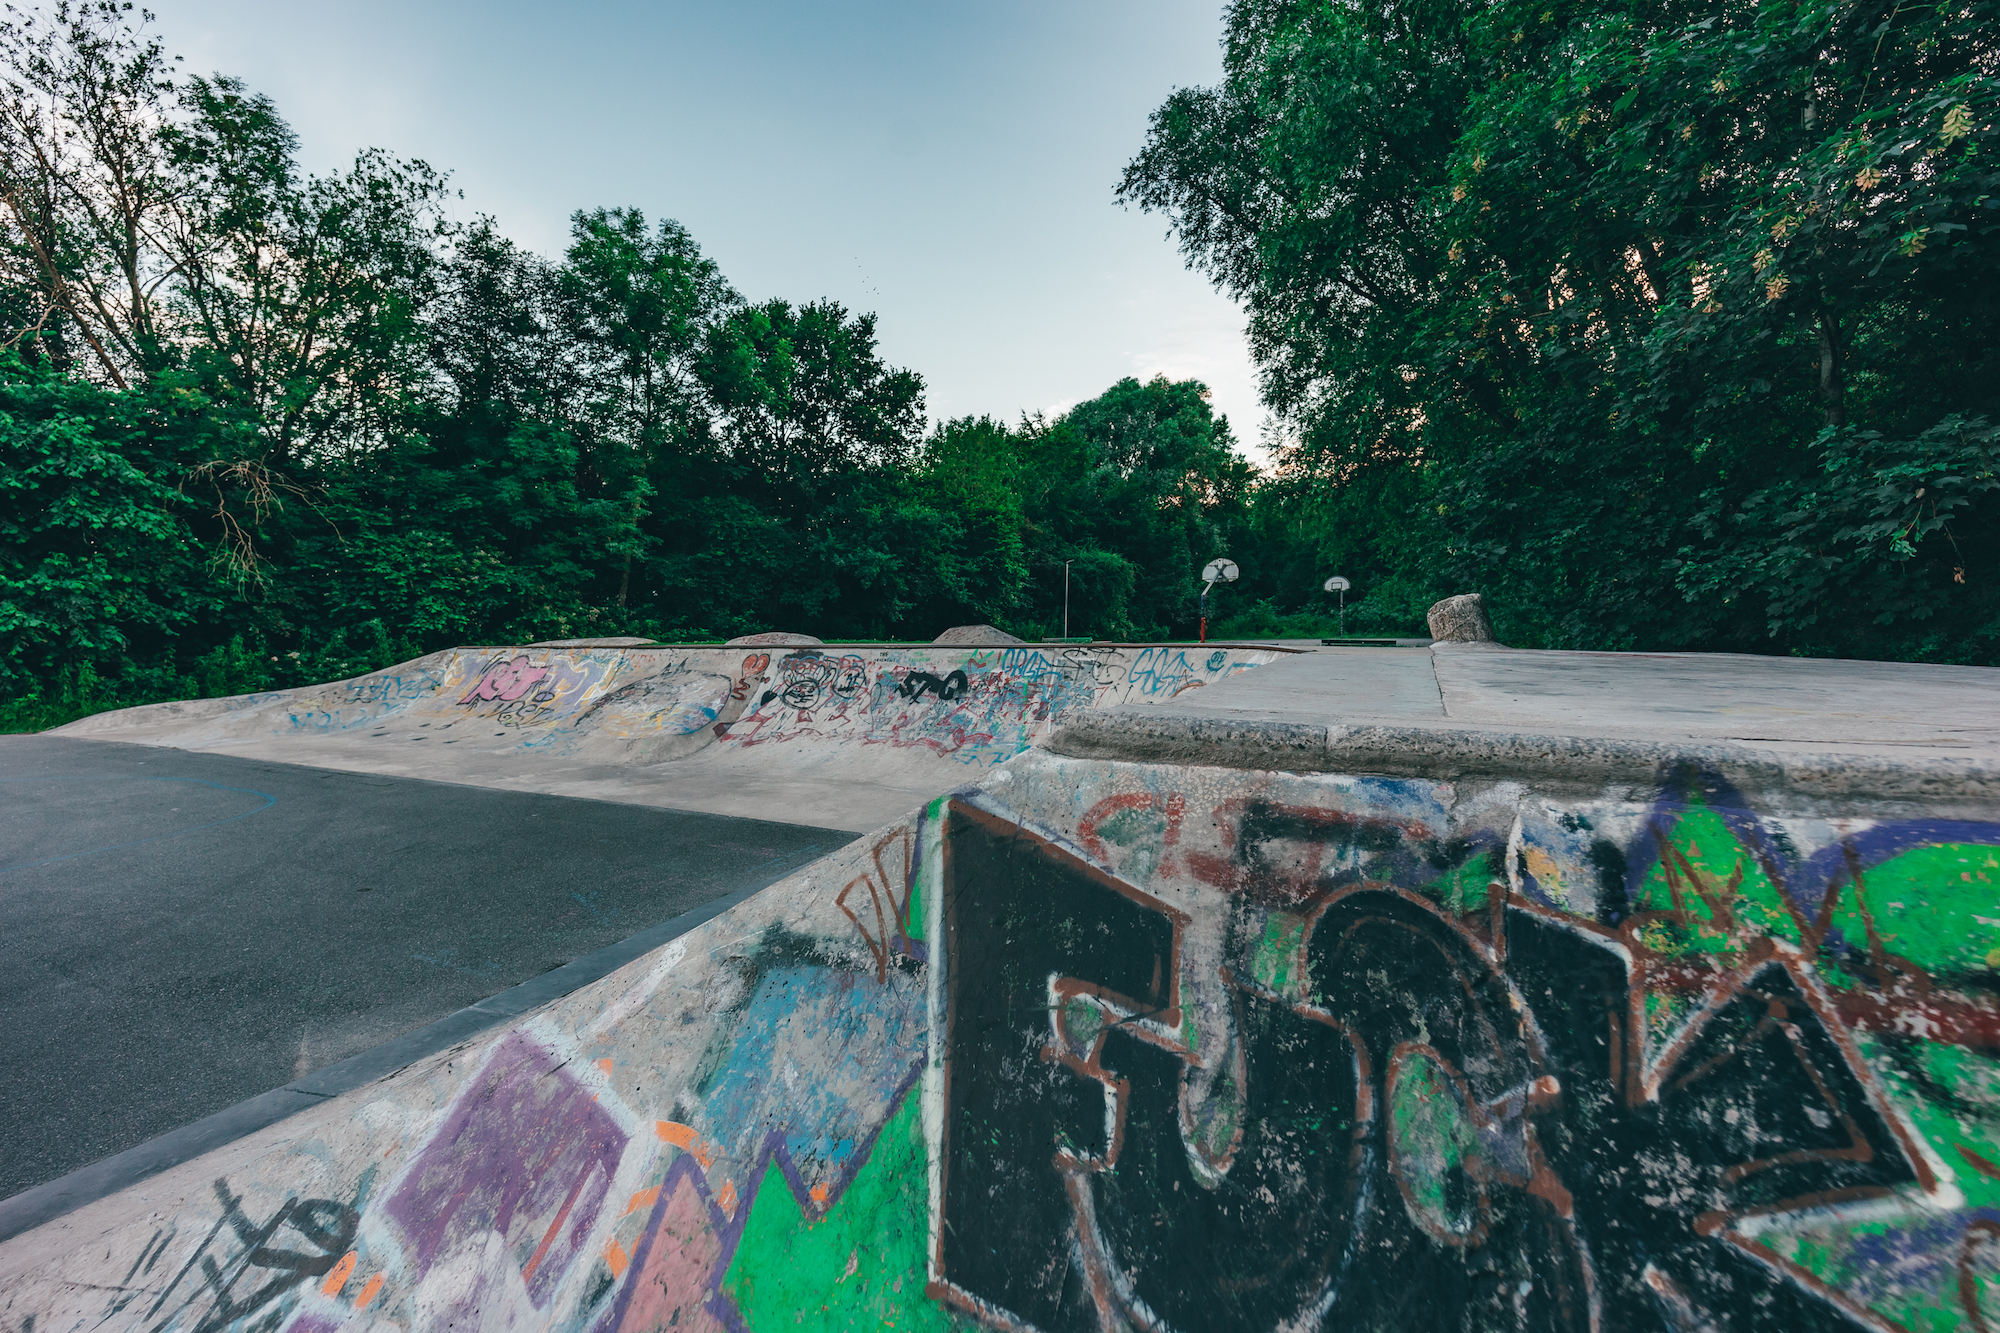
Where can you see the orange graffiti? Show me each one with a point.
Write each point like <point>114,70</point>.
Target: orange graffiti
<point>338,1277</point>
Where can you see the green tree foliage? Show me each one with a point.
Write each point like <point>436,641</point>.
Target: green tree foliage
<point>259,428</point>
<point>1136,489</point>
<point>1667,324</point>
<point>97,554</point>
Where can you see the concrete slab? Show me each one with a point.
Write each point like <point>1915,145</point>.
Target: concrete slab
<point>1325,683</point>
<point>1859,706</point>
<point>1724,696</point>
<point>1091,1043</point>
<point>1816,729</point>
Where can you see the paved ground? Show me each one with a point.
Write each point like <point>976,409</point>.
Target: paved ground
<point>1883,708</point>
<point>183,931</point>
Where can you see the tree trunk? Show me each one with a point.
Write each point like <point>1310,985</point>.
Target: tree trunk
<point>1832,371</point>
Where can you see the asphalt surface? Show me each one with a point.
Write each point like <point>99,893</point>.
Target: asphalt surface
<point>182,931</point>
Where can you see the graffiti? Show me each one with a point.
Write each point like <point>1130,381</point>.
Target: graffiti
<point>526,695</point>
<point>787,1192</point>
<point>1158,671</point>
<point>359,703</point>
<point>674,702</point>
<point>1152,1048</point>
<point>807,679</point>
<point>506,681</point>
<point>889,890</point>
<point>976,708</point>
<point>995,705</point>
<point>918,683</point>
<point>499,1204</point>
<point>753,666</point>
<point>1354,1072</point>
<point>387,689</point>
<point>252,1270</point>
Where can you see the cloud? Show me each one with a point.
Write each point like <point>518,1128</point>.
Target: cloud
<point>1202,337</point>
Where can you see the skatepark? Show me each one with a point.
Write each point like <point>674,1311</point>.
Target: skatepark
<point>1178,986</point>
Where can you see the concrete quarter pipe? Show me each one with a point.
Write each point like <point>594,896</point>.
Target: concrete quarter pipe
<point>841,737</point>
<point>1341,1014</point>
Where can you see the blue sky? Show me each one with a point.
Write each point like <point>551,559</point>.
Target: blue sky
<point>947,165</point>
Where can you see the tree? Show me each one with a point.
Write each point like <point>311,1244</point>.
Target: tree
<point>304,300</point>
<point>1614,305</point>
<point>88,186</point>
<point>98,561</point>
<point>641,303</point>
<point>802,393</point>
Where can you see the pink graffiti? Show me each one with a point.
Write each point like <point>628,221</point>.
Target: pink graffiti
<point>506,681</point>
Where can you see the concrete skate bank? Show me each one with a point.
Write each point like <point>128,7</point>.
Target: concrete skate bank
<point>1584,992</point>
<point>839,737</point>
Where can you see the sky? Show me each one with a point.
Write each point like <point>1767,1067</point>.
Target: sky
<point>949,166</point>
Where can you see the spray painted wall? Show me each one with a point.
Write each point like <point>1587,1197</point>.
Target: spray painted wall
<point>975,707</point>
<point>1109,1046</point>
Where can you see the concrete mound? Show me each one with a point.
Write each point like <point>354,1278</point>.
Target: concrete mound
<point>774,639</point>
<point>1673,1029</point>
<point>975,636</point>
<point>838,738</point>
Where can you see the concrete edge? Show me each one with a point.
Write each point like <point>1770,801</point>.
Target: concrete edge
<point>52,1199</point>
<point>1387,750</point>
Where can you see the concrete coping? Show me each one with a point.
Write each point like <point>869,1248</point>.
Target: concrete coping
<point>1816,776</point>
<point>1260,645</point>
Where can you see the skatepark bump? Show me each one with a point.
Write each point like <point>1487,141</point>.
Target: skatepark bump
<point>841,737</point>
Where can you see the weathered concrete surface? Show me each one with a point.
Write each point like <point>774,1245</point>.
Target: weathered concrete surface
<point>1894,711</point>
<point>1105,1043</point>
<point>985,635</point>
<point>830,737</point>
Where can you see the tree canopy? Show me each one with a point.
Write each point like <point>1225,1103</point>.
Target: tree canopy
<point>1667,324</point>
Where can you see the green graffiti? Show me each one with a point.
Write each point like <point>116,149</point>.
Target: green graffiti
<point>1083,1021</point>
<point>1666,1015</point>
<point>1464,889</point>
<point>1278,960</point>
<point>930,827</point>
<point>859,1267</point>
<point>1951,1098</point>
<point>1437,1150</point>
<point>1142,833</point>
<point>1704,869</point>
<point>1931,906</point>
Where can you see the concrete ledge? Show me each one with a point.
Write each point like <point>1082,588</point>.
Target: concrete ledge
<point>1815,775</point>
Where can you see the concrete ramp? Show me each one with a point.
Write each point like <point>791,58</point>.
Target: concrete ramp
<point>839,737</point>
<point>1202,1020</point>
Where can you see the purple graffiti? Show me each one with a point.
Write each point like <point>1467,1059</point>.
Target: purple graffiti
<point>519,1168</point>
